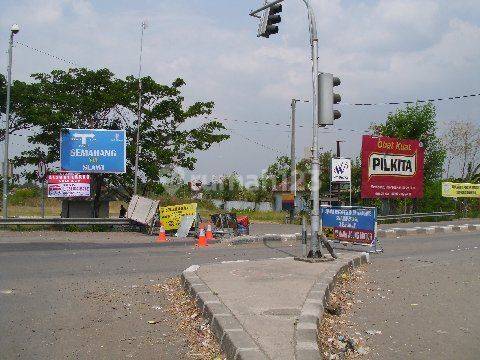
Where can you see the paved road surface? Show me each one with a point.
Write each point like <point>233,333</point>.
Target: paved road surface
<point>89,296</point>
<point>84,295</point>
<point>423,294</point>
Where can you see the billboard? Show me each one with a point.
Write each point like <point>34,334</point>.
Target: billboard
<point>341,170</point>
<point>68,185</point>
<point>391,168</point>
<point>92,151</point>
<point>349,224</point>
<point>171,216</point>
<point>460,190</point>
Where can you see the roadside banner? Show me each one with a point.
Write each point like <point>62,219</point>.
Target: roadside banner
<point>68,185</point>
<point>391,168</point>
<point>355,225</point>
<point>93,151</point>
<point>460,190</point>
<point>341,170</point>
<point>171,216</point>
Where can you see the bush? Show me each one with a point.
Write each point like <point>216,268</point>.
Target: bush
<point>25,196</point>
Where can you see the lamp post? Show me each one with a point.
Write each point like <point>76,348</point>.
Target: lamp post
<point>13,30</point>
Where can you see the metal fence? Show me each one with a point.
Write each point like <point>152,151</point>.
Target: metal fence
<point>417,216</point>
<point>63,221</point>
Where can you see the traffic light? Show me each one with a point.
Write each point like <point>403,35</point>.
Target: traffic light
<point>326,99</point>
<point>269,19</point>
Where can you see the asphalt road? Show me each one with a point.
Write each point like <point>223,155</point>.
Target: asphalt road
<point>423,295</point>
<point>89,296</point>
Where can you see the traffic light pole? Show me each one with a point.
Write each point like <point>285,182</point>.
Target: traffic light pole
<point>315,246</point>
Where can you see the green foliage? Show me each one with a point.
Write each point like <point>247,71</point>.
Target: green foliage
<point>417,122</point>
<point>24,196</point>
<point>82,98</point>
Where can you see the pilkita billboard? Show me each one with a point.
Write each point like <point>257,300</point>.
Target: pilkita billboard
<point>391,168</point>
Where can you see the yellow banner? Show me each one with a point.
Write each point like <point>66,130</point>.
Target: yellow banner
<point>171,216</point>
<point>458,190</point>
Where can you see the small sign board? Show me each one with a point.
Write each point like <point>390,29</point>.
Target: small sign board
<point>185,225</point>
<point>460,190</point>
<point>356,225</point>
<point>42,171</point>
<point>68,185</point>
<point>171,216</point>
<point>341,170</point>
<point>142,210</point>
<point>93,150</point>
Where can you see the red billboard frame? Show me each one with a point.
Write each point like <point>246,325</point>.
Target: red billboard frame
<point>392,168</point>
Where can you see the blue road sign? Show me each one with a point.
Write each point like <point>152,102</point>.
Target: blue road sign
<point>93,151</point>
<point>350,224</point>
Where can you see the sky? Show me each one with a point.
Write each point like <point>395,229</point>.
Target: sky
<point>383,50</point>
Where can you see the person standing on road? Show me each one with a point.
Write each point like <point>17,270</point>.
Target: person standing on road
<point>123,211</point>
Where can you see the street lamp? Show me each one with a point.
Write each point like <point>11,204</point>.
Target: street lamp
<point>13,31</point>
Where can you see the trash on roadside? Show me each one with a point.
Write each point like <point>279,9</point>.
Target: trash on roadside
<point>373,332</point>
<point>153,322</point>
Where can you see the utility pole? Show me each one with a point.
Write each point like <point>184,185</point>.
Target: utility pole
<point>13,30</point>
<point>293,163</point>
<point>139,113</point>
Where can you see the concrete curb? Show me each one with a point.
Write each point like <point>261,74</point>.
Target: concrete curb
<point>247,239</point>
<point>237,344</point>
<point>234,341</point>
<point>428,230</point>
<point>394,232</point>
<point>311,315</point>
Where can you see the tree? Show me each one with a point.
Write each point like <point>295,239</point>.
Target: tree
<point>462,140</point>
<point>21,96</point>
<point>80,98</point>
<point>417,122</point>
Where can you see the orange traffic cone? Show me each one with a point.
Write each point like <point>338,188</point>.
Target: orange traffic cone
<point>209,234</point>
<point>202,241</point>
<point>161,236</point>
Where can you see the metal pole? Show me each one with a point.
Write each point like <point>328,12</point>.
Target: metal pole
<point>43,198</point>
<point>7,128</point>
<point>293,171</point>
<point>315,247</point>
<point>139,113</point>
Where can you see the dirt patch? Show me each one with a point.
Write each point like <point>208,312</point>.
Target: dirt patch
<point>191,324</point>
<point>338,338</point>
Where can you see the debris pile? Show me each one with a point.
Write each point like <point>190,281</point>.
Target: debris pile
<point>334,339</point>
<point>191,324</point>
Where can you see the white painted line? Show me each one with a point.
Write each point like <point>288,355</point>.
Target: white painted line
<point>192,268</point>
<point>234,261</point>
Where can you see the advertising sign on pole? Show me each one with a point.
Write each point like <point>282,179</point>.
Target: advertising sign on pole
<point>68,185</point>
<point>341,170</point>
<point>349,224</point>
<point>93,151</point>
<point>460,190</point>
<point>171,216</point>
<point>392,168</point>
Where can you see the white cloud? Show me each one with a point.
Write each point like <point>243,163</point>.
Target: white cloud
<point>382,50</point>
